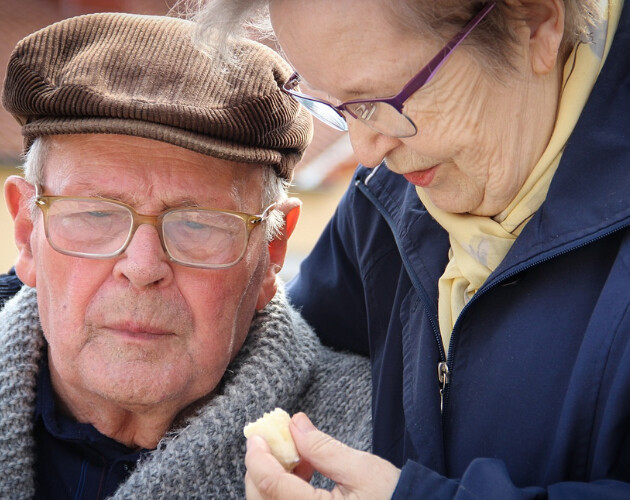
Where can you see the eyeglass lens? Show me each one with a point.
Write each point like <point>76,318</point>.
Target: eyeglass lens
<point>90,227</point>
<point>323,111</point>
<point>383,118</point>
<point>99,228</point>
<point>202,237</point>
<point>379,116</point>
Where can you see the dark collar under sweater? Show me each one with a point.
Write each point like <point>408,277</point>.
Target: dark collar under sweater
<point>281,364</point>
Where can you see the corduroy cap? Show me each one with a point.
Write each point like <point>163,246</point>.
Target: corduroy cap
<point>144,76</point>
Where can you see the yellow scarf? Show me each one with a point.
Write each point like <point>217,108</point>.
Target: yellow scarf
<point>479,244</point>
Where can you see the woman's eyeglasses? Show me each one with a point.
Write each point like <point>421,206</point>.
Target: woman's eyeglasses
<point>385,115</point>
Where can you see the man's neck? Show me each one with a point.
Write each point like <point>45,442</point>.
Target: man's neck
<point>133,426</point>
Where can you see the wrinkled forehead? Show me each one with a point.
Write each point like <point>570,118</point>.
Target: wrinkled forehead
<point>347,48</point>
<point>144,171</point>
<point>304,28</point>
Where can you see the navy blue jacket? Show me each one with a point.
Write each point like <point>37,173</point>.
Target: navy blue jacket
<point>10,284</point>
<point>538,403</point>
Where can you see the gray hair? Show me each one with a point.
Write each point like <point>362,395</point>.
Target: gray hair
<point>494,40</point>
<point>220,20</point>
<point>274,188</point>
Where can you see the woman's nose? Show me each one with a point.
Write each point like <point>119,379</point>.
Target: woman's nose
<point>370,147</point>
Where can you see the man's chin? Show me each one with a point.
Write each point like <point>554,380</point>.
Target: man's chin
<point>135,383</point>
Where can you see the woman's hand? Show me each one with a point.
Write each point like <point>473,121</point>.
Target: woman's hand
<point>357,474</point>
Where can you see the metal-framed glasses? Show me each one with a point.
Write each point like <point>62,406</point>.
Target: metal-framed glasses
<point>100,228</point>
<point>385,115</point>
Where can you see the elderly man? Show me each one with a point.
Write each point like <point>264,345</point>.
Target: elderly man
<point>151,223</point>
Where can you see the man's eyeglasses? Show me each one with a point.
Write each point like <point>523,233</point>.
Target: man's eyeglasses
<point>385,115</point>
<point>99,228</point>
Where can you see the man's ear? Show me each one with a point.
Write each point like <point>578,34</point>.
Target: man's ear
<point>545,19</point>
<point>278,250</point>
<point>18,194</point>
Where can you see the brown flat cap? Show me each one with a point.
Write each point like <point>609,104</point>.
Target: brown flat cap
<point>144,76</point>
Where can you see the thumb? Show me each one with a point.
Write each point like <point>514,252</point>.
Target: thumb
<point>328,456</point>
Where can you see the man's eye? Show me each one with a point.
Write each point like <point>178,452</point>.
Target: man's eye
<point>98,214</point>
<point>191,224</point>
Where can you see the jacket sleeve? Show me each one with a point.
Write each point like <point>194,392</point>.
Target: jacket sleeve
<point>328,291</point>
<point>10,284</point>
<point>488,479</point>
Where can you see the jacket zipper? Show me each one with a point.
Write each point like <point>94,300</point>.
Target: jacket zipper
<point>444,377</point>
<point>443,367</point>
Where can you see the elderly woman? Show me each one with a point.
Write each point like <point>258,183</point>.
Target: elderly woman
<point>481,255</point>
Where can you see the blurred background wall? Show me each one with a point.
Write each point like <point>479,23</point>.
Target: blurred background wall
<point>321,177</point>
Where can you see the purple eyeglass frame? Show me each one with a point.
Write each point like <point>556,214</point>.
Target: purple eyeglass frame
<point>416,83</point>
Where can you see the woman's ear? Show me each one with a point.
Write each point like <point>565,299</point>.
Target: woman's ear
<point>545,19</point>
<point>18,194</point>
<point>278,250</point>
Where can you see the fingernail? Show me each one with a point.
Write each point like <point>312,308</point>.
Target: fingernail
<point>303,423</point>
<point>254,441</point>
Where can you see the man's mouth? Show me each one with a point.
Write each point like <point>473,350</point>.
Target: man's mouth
<point>138,331</point>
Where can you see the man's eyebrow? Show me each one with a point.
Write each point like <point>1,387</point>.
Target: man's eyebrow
<point>132,200</point>
<point>185,202</point>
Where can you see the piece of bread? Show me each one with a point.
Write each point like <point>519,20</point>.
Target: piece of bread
<point>273,426</point>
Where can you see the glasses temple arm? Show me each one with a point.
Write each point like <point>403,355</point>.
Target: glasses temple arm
<point>265,214</point>
<point>435,64</point>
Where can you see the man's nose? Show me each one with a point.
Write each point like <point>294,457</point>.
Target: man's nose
<point>144,262</point>
<point>370,147</point>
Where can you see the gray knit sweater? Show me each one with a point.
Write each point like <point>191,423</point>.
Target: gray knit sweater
<point>280,365</point>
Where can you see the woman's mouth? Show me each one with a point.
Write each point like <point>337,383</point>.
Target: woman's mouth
<point>421,178</point>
